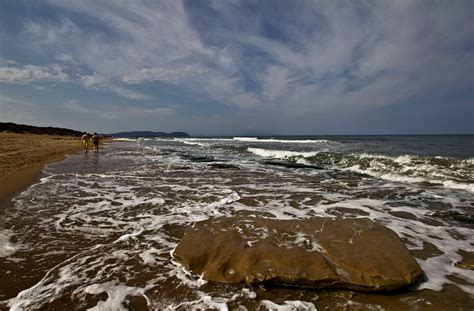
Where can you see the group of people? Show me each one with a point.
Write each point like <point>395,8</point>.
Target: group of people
<point>88,138</point>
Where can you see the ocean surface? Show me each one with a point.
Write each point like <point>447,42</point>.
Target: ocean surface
<point>96,232</point>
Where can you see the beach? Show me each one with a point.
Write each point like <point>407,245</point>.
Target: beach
<point>254,155</point>
<point>99,230</point>
<point>22,157</point>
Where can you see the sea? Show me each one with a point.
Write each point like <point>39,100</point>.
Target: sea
<point>97,231</point>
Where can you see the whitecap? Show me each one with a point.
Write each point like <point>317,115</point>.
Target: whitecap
<point>283,141</point>
<point>280,154</point>
<point>124,139</point>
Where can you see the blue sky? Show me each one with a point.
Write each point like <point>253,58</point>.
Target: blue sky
<point>239,67</point>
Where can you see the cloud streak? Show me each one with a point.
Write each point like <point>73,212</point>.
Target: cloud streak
<point>307,60</point>
<point>32,73</point>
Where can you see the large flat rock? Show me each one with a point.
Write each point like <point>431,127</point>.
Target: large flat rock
<point>318,253</point>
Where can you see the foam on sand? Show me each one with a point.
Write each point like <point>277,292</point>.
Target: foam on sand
<point>135,201</point>
<point>116,293</point>
<point>7,248</point>
<point>288,305</point>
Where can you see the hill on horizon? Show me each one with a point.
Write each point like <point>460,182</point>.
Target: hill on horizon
<point>11,127</point>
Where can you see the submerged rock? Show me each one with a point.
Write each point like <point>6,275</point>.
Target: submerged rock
<point>197,158</point>
<point>289,164</point>
<point>224,166</point>
<point>317,253</point>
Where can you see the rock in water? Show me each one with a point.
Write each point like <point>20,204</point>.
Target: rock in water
<point>317,253</point>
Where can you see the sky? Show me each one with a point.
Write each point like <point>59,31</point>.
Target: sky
<point>262,67</point>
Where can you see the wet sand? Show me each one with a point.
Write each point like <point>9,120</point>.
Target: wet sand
<point>22,157</point>
<point>55,246</point>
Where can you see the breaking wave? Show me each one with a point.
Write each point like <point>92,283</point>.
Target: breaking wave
<point>447,172</point>
<point>285,141</point>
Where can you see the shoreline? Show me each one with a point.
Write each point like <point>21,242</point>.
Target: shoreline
<point>23,157</point>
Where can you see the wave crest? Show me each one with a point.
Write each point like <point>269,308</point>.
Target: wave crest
<point>448,172</point>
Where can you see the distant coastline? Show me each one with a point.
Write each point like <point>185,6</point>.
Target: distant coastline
<point>10,127</point>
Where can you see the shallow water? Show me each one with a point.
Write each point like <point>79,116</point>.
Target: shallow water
<point>97,230</point>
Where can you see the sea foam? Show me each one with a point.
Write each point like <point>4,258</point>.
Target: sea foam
<point>283,141</point>
<point>403,168</point>
<point>7,248</point>
<point>280,154</point>
<point>135,209</point>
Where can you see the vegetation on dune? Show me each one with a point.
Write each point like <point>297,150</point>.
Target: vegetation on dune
<point>30,129</point>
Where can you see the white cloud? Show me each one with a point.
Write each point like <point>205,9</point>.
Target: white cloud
<point>55,73</point>
<point>173,76</point>
<point>67,59</point>
<point>31,73</point>
<point>94,81</point>
<point>127,93</point>
<point>306,59</point>
<point>50,33</point>
<point>155,35</point>
<point>104,83</point>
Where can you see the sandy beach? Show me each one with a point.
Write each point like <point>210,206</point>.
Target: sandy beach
<point>22,156</point>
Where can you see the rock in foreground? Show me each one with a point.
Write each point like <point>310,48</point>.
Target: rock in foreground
<point>318,253</point>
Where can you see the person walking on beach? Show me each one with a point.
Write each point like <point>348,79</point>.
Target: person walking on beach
<point>86,140</point>
<point>95,142</point>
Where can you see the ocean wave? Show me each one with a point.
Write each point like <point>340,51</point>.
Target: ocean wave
<point>403,159</point>
<point>281,154</point>
<point>192,143</point>
<point>203,142</point>
<point>124,139</point>
<point>412,179</point>
<point>201,139</point>
<point>452,173</point>
<point>447,172</point>
<point>469,161</point>
<point>257,140</point>
<point>284,141</point>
